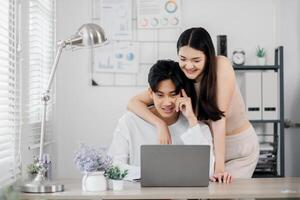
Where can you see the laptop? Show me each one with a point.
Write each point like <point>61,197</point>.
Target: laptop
<point>175,165</point>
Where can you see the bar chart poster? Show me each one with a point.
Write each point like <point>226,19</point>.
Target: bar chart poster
<point>117,57</point>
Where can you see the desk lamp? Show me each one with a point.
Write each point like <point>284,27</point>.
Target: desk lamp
<point>88,35</point>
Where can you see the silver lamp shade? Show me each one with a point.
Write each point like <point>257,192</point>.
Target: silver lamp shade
<point>88,35</point>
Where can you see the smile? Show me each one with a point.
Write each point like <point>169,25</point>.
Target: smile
<point>191,71</point>
<point>168,110</point>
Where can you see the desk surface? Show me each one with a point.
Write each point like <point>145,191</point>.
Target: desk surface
<point>240,188</point>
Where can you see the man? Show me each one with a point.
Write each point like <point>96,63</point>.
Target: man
<point>167,89</point>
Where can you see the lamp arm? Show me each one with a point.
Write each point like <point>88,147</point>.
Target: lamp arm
<point>61,45</point>
<point>46,97</point>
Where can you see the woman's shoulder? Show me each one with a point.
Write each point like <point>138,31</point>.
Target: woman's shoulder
<point>224,63</point>
<point>224,67</point>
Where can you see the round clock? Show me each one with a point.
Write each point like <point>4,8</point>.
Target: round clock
<point>238,57</point>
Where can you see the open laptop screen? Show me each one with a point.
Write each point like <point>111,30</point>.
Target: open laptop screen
<point>175,165</point>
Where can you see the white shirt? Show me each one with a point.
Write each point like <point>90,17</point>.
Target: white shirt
<point>132,132</point>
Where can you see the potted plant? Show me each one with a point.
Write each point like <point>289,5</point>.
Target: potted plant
<point>261,53</point>
<point>93,163</point>
<point>115,177</point>
<point>33,168</point>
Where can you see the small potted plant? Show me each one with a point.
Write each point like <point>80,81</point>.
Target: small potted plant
<point>33,168</point>
<point>115,177</point>
<point>93,163</point>
<point>261,53</point>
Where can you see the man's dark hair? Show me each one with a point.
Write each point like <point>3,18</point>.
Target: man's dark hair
<point>170,70</point>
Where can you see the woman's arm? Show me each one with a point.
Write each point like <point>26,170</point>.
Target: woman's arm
<point>225,89</point>
<point>139,105</point>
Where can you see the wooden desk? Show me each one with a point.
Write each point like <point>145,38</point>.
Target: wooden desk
<point>242,188</point>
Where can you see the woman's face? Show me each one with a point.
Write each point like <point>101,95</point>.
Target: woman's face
<point>191,61</point>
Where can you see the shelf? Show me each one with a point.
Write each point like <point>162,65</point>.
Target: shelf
<point>255,67</point>
<point>265,174</point>
<point>265,121</point>
<point>271,157</point>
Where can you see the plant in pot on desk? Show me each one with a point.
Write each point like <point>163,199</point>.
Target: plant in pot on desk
<point>33,169</point>
<point>115,177</point>
<point>93,163</point>
<point>261,56</point>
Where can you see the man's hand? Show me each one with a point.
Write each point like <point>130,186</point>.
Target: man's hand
<point>164,136</point>
<point>221,177</point>
<point>184,105</point>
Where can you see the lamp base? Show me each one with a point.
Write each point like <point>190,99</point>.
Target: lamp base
<point>42,187</point>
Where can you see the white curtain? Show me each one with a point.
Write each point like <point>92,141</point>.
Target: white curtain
<point>9,95</point>
<point>41,47</point>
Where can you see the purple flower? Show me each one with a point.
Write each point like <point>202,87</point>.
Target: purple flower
<point>89,159</point>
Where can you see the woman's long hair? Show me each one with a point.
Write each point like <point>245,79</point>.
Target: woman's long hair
<point>199,39</point>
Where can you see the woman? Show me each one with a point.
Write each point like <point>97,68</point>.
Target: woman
<point>218,102</point>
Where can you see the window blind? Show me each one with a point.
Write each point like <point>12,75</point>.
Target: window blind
<point>9,95</point>
<point>41,53</point>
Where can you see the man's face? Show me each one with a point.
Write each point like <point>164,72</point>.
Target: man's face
<point>164,98</point>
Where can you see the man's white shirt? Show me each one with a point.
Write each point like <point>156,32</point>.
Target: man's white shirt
<point>132,132</point>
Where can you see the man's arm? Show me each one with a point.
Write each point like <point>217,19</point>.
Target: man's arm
<point>119,150</point>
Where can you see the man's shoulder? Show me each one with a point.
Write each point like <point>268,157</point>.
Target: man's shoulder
<point>130,117</point>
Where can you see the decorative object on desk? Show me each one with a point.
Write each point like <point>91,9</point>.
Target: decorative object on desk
<point>93,163</point>
<point>261,56</point>
<point>33,168</point>
<point>238,57</point>
<point>115,177</point>
<point>88,35</point>
<point>94,182</point>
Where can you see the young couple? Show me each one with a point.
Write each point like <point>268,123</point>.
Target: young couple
<point>210,95</point>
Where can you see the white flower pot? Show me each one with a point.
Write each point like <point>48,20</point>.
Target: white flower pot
<point>115,184</point>
<point>94,182</point>
<point>261,60</point>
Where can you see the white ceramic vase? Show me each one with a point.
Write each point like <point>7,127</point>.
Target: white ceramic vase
<point>94,182</point>
<point>115,184</point>
<point>261,60</point>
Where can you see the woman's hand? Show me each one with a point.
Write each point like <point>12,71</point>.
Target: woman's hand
<point>184,105</point>
<point>221,177</point>
<point>164,136</point>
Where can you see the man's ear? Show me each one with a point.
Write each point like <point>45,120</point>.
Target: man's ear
<point>151,93</point>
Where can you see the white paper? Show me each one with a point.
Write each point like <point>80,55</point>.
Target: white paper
<point>158,14</point>
<point>118,57</point>
<point>134,173</point>
<point>116,19</point>
<point>126,57</point>
<point>103,59</point>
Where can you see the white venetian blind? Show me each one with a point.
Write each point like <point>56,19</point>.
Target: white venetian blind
<point>41,53</point>
<point>9,95</point>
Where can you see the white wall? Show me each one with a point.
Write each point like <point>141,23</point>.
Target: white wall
<point>89,114</point>
<point>246,23</point>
